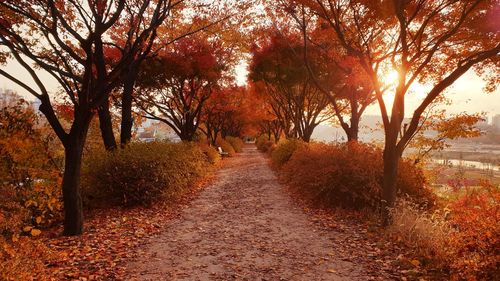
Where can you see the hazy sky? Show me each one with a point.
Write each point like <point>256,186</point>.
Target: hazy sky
<point>466,94</point>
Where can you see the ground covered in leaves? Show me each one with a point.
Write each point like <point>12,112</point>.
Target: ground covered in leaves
<point>241,224</point>
<point>245,226</point>
<point>110,240</point>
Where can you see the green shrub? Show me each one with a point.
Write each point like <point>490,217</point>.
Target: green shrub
<point>284,150</point>
<point>226,147</point>
<point>211,152</point>
<point>349,175</point>
<point>142,173</point>
<point>236,143</point>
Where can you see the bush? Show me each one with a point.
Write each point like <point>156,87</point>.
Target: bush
<point>427,234</point>
<point>284,150</point>
<point>461,239</point>
<point>30,193</point>
<point>265,145</point>
<point>226,147</point>
<point>142,173</point>
<point>259,142</point>
<point>476,242</point>
<point>211,152</point>
<point>236,143</point>
<point>348,175</point>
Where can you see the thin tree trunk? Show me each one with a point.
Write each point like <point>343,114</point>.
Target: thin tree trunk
<point>106,125</point>
<point>127,96</point>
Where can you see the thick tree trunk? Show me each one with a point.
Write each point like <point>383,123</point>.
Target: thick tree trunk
<point>391,159</point>
<point>127,97</point>
<point>308,131</point>
<point>73,149</point>
<point>106,125</point>
<point>353,131</point>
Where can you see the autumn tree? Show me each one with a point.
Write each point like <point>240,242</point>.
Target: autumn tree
<point>335,73</point>
<point>132,36</point>
<point>426,42</point>
<point>176,84</point>
<point>224,113</point>
<point>66,39</point>
<point>294,98</point>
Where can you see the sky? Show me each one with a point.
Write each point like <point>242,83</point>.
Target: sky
<point>466,93</point>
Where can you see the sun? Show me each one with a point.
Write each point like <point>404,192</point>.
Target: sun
<point>391,77</point>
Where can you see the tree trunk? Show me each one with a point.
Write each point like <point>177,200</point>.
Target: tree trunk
<point>73,150</point>
<point>391,159</point>
<point>127,96</point>
<point>106,125</point>
<point>353,131</point>
<point>308,131</point>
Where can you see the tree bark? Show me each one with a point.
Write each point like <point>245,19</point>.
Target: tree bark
<point>127,97</point>
<point>106,125</point>
<point>73,150</point>
<point>391,159</point>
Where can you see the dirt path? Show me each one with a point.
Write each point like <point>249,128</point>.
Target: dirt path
<point>244,227</point>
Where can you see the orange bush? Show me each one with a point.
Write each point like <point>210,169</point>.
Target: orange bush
<point>211,153</point>
<point>348,175</point>
<point>30,194</point>
<point>236,143</point>
<point>476,243</point>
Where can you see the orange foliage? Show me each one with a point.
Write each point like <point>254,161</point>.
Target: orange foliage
<point>29,169</point>
<point>349,175</point>
<point>476,243</point>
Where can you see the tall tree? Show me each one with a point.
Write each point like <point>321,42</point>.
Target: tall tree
<point>432,42</point>
<point>66,39</point>
<point>336,74</point>
<point>295,99</point>
<point>176,85</point>
<point>133,36</point>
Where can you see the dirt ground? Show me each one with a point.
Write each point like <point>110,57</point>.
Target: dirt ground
<point>245,226</point>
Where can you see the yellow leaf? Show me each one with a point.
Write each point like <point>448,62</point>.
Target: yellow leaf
<point>15,237</point>
<point>35,232</point>
<point>38,220</point>
<point>27,228</point>
<point>415,262</point>
<point>331,270</point>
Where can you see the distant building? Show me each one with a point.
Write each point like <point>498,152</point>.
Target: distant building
<point>495,121</point>
<point>151,130</point>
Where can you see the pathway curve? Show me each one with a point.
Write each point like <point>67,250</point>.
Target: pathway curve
<point>244,226</point>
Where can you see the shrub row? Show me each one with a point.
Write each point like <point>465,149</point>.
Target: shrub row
<point>284,150</point>
<point>346,175</point>
<point>142,173</point>
<point>236,143</point>
<point>264,144</point>
<point>226,147</point>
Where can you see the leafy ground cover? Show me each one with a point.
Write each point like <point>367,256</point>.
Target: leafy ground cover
<point>111,239</point>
